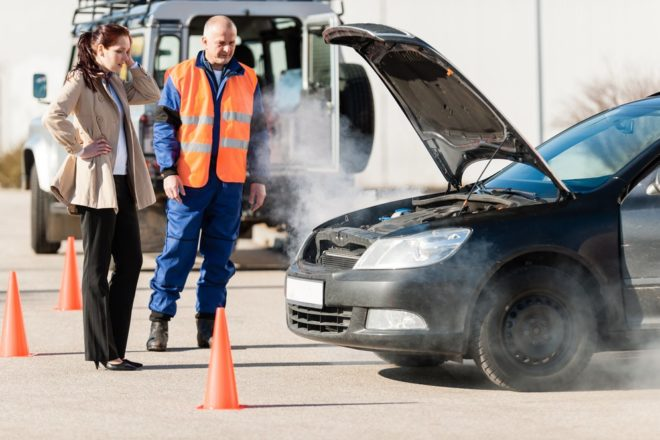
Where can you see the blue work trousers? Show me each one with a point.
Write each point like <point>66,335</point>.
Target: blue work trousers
<point>215,210</point>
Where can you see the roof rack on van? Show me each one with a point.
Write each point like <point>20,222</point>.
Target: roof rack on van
<point>116,11</point>
<point>93,12</point>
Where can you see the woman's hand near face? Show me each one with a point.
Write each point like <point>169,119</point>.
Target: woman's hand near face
<point>97,148</point>
<point>129,61</point>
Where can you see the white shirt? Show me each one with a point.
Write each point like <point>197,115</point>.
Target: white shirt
<point>121,158</point>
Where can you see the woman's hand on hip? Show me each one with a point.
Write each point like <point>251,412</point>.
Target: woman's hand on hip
<point>97,148</point>
<point>174,187</point>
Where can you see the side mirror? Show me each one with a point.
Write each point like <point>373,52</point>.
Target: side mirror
<point>39,86</point>
<point>654,187</point>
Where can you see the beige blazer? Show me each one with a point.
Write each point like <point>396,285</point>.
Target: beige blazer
<point>89,182</point>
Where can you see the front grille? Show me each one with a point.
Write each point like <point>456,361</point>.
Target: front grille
<point>340,258</point>
<point>325,320</point>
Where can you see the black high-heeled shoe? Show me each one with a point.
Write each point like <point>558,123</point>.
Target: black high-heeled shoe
<point>124,366</point>
<point>135,364</point>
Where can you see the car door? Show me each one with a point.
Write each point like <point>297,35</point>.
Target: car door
<point>640,250</point>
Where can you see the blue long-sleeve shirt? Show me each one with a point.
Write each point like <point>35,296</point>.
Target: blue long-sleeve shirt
<point>167,146</point>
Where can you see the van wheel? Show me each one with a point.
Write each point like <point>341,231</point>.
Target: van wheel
<point>40,216</point>
<point>535,331</point>
<point>410,360</point>
<point>356,106</point>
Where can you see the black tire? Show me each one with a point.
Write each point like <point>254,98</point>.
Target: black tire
<point>40,216</point>
<point>534,331</point>
<point>356,106</point>
<point>410,360</point>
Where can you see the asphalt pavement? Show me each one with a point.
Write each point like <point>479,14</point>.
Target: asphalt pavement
<point>291,388</point>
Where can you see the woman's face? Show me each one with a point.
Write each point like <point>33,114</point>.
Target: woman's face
<point>113,57</point>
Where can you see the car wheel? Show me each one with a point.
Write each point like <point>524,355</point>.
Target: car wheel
<point>40,216</point>
<point>410,360</point>
<point>535,331</point>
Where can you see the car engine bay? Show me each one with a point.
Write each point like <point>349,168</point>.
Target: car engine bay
<point>339,246</point>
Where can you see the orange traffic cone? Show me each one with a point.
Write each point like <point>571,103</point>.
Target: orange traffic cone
<point>221,384</point>
<point>70,297</point>
<point>13,342</point>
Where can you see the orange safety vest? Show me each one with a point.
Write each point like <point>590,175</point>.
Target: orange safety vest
<point>197,115</point>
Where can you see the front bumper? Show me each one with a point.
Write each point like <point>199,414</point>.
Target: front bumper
<point>437,293</point>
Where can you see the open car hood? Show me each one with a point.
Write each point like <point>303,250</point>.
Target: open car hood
<point>455,121</point>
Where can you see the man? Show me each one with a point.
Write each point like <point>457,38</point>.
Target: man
<point>209,136</point>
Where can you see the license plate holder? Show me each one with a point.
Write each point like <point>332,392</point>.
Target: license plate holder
<point>305,292</point>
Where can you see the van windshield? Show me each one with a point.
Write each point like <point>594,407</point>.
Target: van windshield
<point>270,45</point>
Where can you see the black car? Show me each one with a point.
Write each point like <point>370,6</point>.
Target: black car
<point>528,272</point>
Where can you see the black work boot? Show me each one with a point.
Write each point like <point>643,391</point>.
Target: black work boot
<point>204,332</point>
<point>158,336</point>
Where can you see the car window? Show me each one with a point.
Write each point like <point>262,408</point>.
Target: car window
<point>587,154</point>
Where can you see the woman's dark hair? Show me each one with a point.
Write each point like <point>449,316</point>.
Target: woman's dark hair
<point>105,34</point>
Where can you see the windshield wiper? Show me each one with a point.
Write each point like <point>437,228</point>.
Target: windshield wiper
<point>525,194</point>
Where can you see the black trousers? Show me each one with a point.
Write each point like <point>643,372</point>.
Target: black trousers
<point>107,306</point>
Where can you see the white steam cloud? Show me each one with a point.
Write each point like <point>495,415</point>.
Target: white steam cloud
<point>316,185</point>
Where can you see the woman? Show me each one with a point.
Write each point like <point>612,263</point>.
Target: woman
<point>104,179</point>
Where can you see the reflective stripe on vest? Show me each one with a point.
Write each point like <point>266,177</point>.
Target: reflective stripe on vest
<point>196,132</point>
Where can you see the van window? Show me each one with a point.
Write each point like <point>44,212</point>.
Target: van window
<point>319,60</point>
<point>278,61</point>
<point>168,53</point>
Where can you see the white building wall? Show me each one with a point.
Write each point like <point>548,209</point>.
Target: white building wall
<point>35,37</point>
<point>492,42</point>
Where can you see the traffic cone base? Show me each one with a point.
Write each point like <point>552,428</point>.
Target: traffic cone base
<point>202,408</point>
<point>13,342</point>
<point>221,383</point>
<point>70,297</point>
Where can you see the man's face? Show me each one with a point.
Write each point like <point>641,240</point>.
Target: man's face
<point>219,44</point>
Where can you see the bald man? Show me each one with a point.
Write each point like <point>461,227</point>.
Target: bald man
<point>210,139</point>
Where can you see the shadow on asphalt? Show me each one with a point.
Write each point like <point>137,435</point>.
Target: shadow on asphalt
<point>174,349</point>
<point>449,375</point>
<point>247,347</point>
<point>606,372</point>
<point>71,353</point>
<point>308,405</point>
<point>263,364</point>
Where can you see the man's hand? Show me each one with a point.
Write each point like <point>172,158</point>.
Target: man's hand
<point>173,187</point>
<point>257,195</point>
<point>96,148</point>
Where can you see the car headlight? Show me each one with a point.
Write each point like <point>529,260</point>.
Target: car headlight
<point>416,250</point>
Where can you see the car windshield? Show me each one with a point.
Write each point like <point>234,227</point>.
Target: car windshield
<point>587,154</point>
